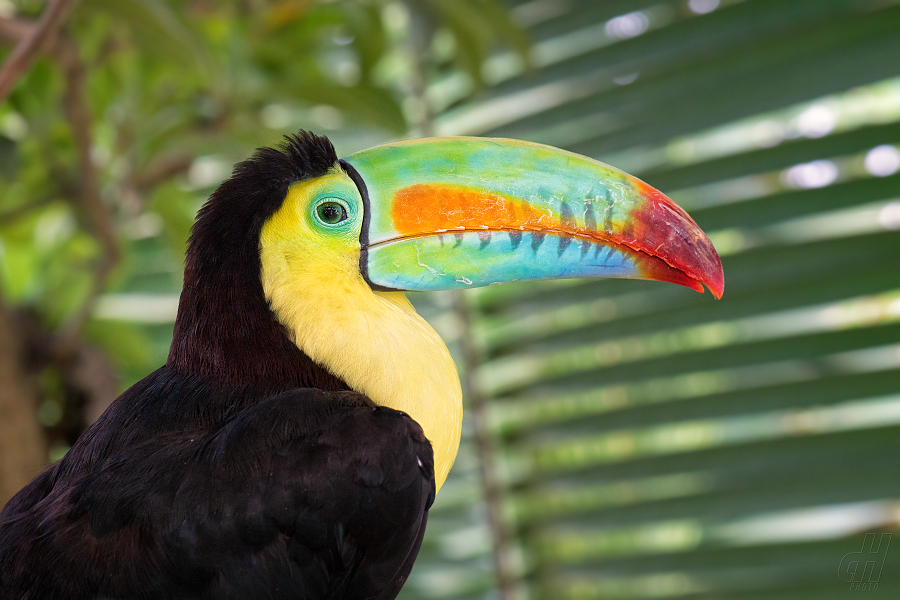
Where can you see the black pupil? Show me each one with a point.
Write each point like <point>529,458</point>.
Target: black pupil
<point>332,212</point>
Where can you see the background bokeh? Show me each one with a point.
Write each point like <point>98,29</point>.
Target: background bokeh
<point>624,439</point>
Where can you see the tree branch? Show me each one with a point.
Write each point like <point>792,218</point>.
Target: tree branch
<point>23,448</point>
<point>159,170</point>
<point>78,113</point>
<point>36,41</point>
<point>13,31</point>
<point>18,212</point>
<point>492,487</point>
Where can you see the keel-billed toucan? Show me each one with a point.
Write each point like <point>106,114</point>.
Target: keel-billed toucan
<point>285,450</point>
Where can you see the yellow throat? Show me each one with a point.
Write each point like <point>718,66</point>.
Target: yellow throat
<point>375,341</point>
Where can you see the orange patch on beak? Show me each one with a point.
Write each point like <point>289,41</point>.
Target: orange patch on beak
<point>427,208</point>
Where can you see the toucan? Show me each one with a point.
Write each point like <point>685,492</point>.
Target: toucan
<point>306,416</point>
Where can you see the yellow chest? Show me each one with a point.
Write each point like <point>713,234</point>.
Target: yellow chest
<point>374,341</point>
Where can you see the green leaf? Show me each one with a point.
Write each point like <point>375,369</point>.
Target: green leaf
<point>9,157</point>
<point>360,103</point>
<point>157,29</point>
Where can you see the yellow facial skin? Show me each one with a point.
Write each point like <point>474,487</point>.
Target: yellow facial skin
<point>375,341</point>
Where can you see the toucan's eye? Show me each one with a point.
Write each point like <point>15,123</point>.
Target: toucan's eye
<point>331,213</point>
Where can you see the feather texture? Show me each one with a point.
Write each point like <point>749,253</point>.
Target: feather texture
<point>301,494</point>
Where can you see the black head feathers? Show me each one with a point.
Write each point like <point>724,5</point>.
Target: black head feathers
<point>301,156</point>
<point>259,184</point>
<point>241,205</point>
<point>224,330</point>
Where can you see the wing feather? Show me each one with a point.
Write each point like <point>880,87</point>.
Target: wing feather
<point>300,494</point>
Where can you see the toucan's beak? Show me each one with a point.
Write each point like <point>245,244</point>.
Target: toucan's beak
<point>446,213</point>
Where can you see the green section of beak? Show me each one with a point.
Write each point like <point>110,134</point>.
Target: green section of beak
<point>446,213</point>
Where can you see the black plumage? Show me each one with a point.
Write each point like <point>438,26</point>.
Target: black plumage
<point>241,469</point>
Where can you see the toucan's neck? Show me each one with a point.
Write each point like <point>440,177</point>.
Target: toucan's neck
<point>225,331</point>
<point>372,340</point>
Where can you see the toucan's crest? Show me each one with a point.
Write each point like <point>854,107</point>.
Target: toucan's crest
<point>301,156</point>
<point>224,329</point>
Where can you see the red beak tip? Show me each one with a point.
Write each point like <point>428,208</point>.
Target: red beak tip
<point>716,284</point>
<point>702,286</point>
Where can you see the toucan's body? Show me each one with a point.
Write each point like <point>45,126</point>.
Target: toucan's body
<point>306,417</point>
<point>187,490</point>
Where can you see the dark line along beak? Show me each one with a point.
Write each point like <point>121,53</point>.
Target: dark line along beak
<point>448,213</point>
